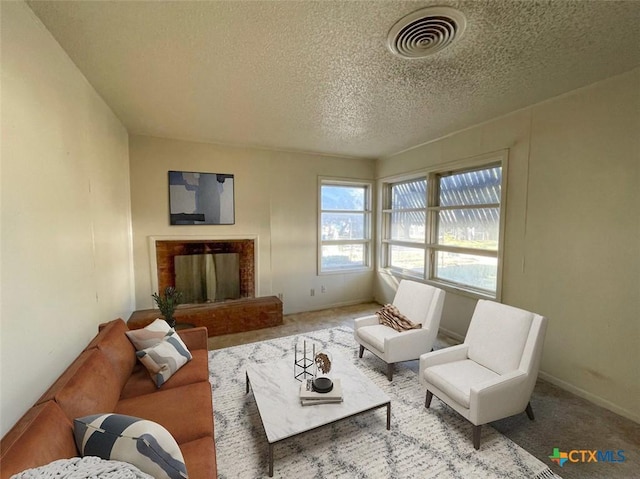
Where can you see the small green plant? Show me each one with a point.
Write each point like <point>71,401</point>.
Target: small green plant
<point>167,303</point>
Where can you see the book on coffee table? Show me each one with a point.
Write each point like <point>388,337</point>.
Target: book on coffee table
<point>310,397</point>
<point>313,402</point>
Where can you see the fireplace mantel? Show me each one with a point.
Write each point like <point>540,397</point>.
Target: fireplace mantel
<point>162,249</point>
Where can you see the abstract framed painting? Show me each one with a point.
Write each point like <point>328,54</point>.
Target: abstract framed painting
<point>201,198</point>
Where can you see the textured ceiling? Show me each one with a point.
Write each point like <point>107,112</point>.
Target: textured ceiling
<point>316,76</point>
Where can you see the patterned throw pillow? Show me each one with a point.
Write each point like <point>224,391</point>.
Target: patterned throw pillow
<point>145,444</point>
<point>390,316</point>
<point>165,358</point>
<point>149,335</point>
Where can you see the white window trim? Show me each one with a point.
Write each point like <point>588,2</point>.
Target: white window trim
<point>369,225</point>
<point>496,157</point>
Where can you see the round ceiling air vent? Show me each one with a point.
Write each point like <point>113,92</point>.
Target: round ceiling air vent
<point>425,32</point>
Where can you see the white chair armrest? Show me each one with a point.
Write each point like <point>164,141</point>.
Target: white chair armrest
<point>442,356</point>
<point>365,321</point>
<point>500,397</point>
<point>406,345</point>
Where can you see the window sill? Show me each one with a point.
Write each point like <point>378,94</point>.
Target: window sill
<point>365,269</point>
<point>470,293</point>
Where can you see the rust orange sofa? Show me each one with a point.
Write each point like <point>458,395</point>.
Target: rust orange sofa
<point>106,377</point>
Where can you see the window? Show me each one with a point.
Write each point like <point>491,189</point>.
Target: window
<point>344,226</point>
<point>445,227</point>
<point>407,221</point>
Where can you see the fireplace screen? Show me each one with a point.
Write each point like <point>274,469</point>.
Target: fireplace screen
<point>204,278</point>
<point>201,198</point>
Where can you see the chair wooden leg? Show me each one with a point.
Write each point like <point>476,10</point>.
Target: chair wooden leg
<point>390,371</point>
<point>529,411</point>
<point>476,437</point>
<point>427,400</point>
<point>361,351</point>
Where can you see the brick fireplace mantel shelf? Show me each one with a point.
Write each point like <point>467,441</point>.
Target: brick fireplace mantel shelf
<point>226,317</point>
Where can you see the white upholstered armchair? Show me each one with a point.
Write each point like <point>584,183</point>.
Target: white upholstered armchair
<point>492,374</point>
<point>418,302</point>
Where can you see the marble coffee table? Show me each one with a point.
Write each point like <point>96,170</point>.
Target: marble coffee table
<point>276,393</point>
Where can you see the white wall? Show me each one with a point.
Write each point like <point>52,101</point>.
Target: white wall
<point>572,240</point>
<point>66,241</point>
<point>275,202</point>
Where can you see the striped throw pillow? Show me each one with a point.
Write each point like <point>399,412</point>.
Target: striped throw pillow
<point>145,444</point>
<point>165,358</point>
<point>390,316</point>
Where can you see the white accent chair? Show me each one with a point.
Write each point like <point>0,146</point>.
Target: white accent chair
<point>492,374</point>
<point>420,303</point>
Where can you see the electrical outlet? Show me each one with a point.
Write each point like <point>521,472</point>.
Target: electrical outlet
<point>281,296</point>
<point>323,289</point>
<point>313,292</point>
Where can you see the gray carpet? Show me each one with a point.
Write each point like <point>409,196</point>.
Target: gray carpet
<point>422,443</point>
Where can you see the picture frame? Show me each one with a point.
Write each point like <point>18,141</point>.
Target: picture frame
<point>200,198</point>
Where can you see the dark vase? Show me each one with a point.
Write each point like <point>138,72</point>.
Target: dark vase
<point>170,320</point>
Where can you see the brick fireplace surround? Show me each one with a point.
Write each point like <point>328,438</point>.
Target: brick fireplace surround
<point>166,250</point>
<point>225,317</point>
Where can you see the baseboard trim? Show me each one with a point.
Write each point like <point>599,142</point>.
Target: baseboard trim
<point>333,305</point>
<point>589,396</point>
<point>452,334</point>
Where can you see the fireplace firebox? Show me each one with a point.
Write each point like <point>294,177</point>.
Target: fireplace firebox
<point>168,250</point>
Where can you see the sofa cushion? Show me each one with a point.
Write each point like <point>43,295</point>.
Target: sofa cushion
<point>90,384</point>
<point>194,371</point>
<point>149,335</point>
<point>194,338</point>
<point>165,358</point>
<point>30,442</point>
<point>113,342</point>
<point>140,442</point>
<point>186,412</point>
<point>200,457</point>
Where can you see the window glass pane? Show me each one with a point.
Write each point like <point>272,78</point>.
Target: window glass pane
<point>470,228</point>
<point>471,187</point>
<point>411,194</point>
<point>475,271</point>
<point>408,226</point>
<point>341,226</point>
<point>344,256</point>
<point>408,259</point>
<point>338,197</point>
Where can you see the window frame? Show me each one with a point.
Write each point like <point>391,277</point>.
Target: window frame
<point>386,227</point>
<point>430,244</point>
<point>367,213</point>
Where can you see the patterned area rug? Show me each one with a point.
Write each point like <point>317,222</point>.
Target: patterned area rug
<point>422,443</point>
